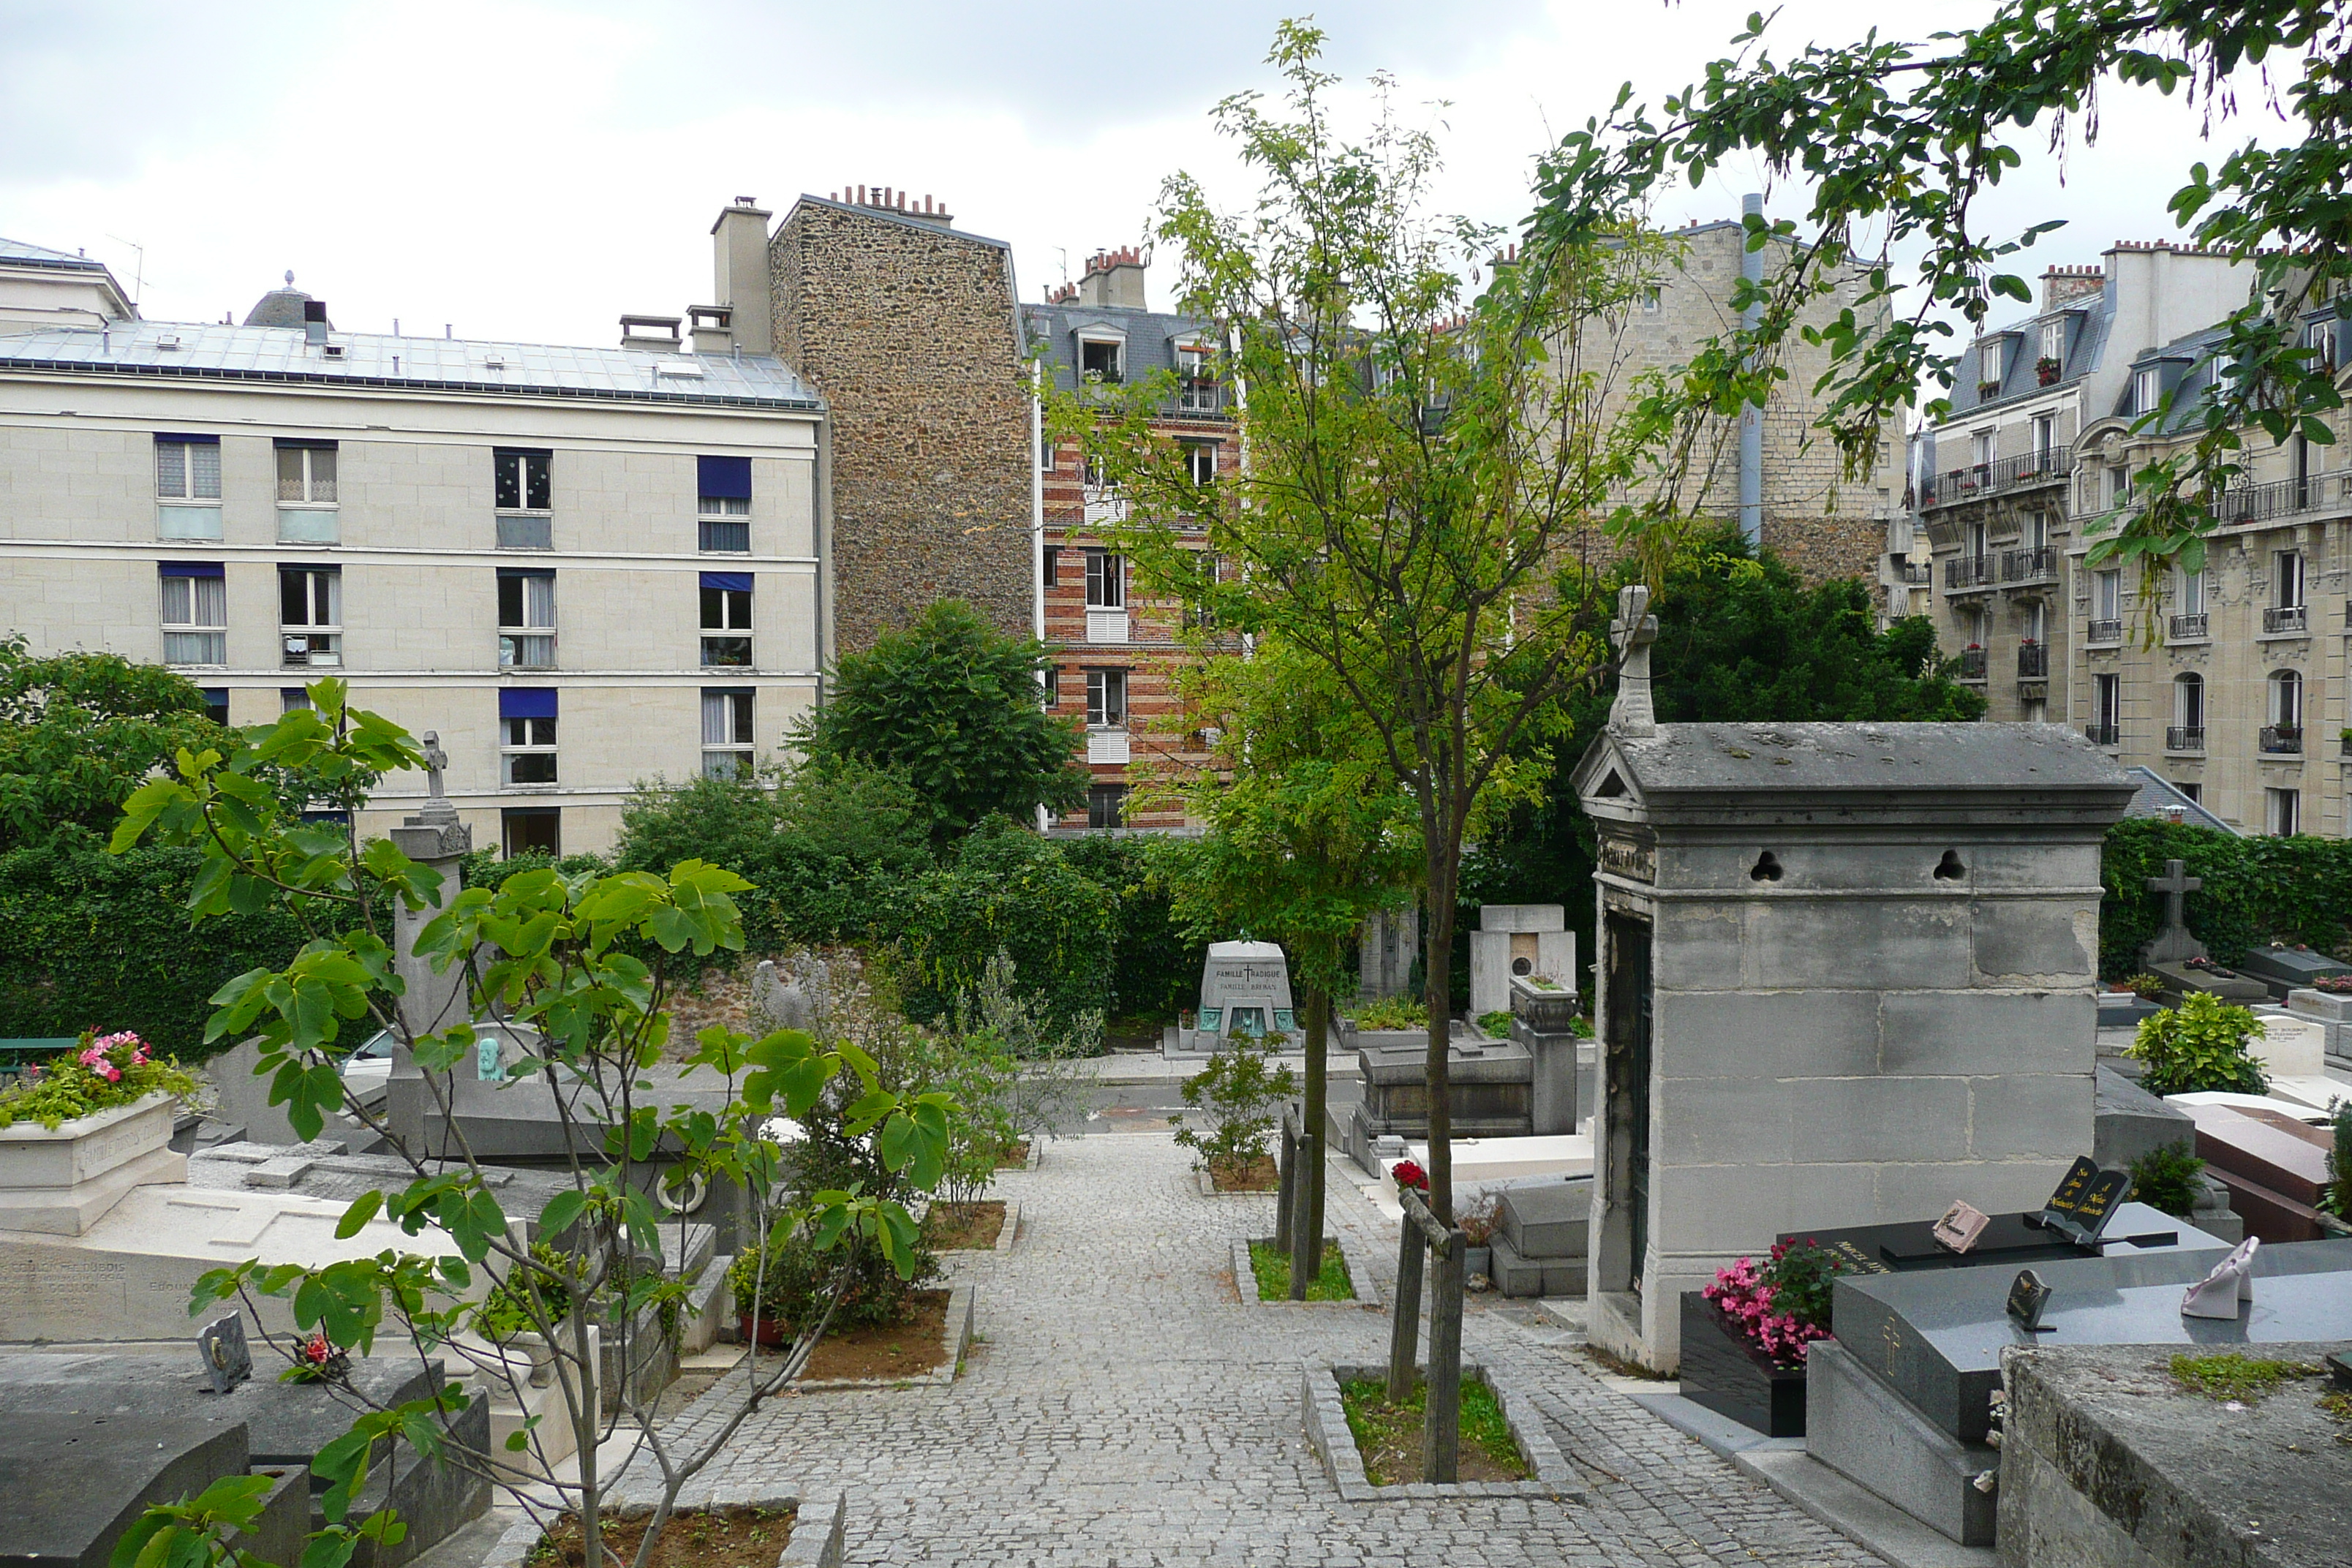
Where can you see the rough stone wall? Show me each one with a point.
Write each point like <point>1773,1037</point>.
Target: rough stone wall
<point>907,330</point>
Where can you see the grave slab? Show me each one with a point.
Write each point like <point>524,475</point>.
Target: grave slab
<point>2274,1175</point>
<point>2288,969</point>
<point>75,1481</point>
<point>2106,1460</point>
<point>2007,1240</point>
<point>2185,979</point>
<point>1863,1430</point>
<point>2129,1121</point>
<point>1937,1339</point>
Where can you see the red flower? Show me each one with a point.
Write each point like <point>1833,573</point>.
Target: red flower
<point>1409,1174</point>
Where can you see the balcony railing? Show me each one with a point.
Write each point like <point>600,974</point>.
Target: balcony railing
<point>2029,565</point>
<point>2189,628</point>
<point>1979,479</point>
<point>2101,734</point>
<point>2282,740</point>
<point>2185,738</point>
<point>1200,397</point>
<point>1918,573</point>
<point>2287,619</point>
<point>2033,661</point>
<point>1972,664</point>
<point>1968,572</point>
<point>2280,497</point>
<point>2103,631</point>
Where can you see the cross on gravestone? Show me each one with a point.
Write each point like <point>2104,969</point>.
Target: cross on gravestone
<point>2173,944</point>
<point>1633,631</point>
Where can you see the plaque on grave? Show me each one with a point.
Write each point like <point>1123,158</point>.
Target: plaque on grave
<point>1962,1226</point>
<point>2087,1199</point>
<point>2027,1296</point>
<point>1907,1245</point>
<point>2220,1293</point>
<point>227,1360</point>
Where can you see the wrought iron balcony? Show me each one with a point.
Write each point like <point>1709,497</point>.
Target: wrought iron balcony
<point>2189,628</point>
<point>2280,497</point>
<point>2029,565</point>
<point>1918,573</point>
<point>2287,619</point>
<point>1980,479</point>
<point>2185,738</point>
<point>2103,631</point>
<point>1968,572</point>
<point>2033,661</point>
<point>2282,740</point>
<point>2101,734</point>
<point>1972,664</point>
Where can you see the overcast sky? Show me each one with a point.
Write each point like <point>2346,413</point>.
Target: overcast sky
<point>530,171</point>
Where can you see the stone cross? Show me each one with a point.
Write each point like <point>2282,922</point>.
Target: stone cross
<point>2174,944</point>
<point>1633,631</point>
<point>435,758</point>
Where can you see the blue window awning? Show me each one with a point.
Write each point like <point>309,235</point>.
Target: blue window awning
<point>739,580</point>
<point>527,702</point>
<point>187,440</point>
<point>192,569</point>
<point>725,477</point>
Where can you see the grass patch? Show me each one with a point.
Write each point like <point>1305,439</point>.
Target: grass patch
<point>1389,1436</point>
<point>2230,1375</point>
<point>1272,1271</point>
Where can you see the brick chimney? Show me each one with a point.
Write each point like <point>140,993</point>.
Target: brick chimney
<point>2062,286</point>
<point>1113,279</point>
<point>739,281</point>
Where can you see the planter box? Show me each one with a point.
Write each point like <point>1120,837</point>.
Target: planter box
<point>63,1181</point>
<point>1724,1372</point>
<point>818,1531</point>
<point>1326,1419</point>
<point>1366,1298</point>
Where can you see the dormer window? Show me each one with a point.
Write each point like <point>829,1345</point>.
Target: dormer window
<point>1196,391</point>
<point>2147,390</point>
<point>1101,360</point>
<point>1988,366</point>
<point>2053,340</point>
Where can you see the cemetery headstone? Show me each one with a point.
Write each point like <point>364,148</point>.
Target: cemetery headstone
<point>227,1360</point>
<point>1244,990</point>
<point>2274,1173</point>
<point>2173,940</point>
<point>2286,970</point>
<point>1844,975</point>
<point>1520,942</point>
<point>73,1482</point>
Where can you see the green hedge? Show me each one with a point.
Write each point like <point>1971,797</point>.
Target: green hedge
<point>2257,890</point>
<point>89,940</point>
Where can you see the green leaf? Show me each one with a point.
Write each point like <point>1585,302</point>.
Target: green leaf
<point>355,1218</point>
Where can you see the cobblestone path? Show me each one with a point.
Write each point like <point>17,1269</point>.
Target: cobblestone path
<point>1124,1409</point>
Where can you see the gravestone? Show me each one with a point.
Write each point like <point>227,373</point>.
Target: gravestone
<point>2189,976</point>
<point>1386,947</point>
<point>2286,970</point>
<point>1518,941</point>
<point>2332,1011</point>
<point>2274,1166</point>
<point>1845,977</point>
<point>2173,940</point>
<point>1543,1237</point>
<point>1490,1089</point>
<point>1244,989</point>
<point>434,838</point>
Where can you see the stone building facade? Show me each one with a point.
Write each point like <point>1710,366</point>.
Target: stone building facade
<point>1115,650</point>
<point>585,568</point>
<point>2001,491</point>
<point>908,328</point>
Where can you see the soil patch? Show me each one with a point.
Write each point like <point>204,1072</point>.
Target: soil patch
<point>1273,1270</point>
<point>714,1538</point>
<point>1013,1156</point>
<point>954,1226</point>
<point>1389,1436</point>
<point>891,1350</point>
<point>1259,1175</point>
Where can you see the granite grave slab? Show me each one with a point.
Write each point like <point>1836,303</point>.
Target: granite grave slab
<point>2273,1171</point>
<point>2288,969</point>
<point>75,1481</point>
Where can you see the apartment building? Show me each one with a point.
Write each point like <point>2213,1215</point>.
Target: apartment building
<point>1114,650</point>
<point>2003,491</point>
<point>583,567</point>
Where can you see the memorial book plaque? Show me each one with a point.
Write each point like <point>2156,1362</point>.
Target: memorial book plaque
<point>1962,1224</point>
<point>2027,1296</point>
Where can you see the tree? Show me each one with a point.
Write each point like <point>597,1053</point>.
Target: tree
<point>1897,140</point>
<point>1422,469</point>
<point>78,731</point>
<point>1308,834</point>
<point>560,956</point>
<point>957,708</point>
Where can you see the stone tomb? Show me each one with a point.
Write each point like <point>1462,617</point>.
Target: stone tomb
<point>2286,970</point>
<point>1244,989</point>
<point>2273,1164</point>
<point>75,1481</point>
<point>1518,941</point>
<point>2332,1011</point>
<point>1846,978</point>
<point>1490,1089</point>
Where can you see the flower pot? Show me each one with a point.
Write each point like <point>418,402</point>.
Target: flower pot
<point>772,1333</point>
<point>1728,1373</point>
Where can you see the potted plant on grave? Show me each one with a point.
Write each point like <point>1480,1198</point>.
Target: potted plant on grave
<point>1477,1223</point>
<point>2199,1046</point>
<point>101,1073</point>
<point>85,1114</point>
<point>1744,1336</point>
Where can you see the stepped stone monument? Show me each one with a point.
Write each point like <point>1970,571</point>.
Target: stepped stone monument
<point>1845,977</point>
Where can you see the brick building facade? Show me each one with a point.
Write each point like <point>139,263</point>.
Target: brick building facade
<point>908,326</point>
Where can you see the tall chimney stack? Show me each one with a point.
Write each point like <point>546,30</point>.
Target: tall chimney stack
<point>739,246</point>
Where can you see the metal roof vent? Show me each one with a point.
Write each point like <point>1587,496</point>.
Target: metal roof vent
<point>684,368</point>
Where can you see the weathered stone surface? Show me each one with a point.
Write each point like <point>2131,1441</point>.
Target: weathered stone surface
<point>2132,1123</point>
<point>2108,1463</point>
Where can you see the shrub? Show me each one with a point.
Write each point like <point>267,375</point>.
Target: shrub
<point>506,1310</point>
<point>2201,1045</point>
<point>2146,987</point>
<point>1008,892</point>
<point>1391,1013</point>
<point>2166,1178</point>
<point>1497,1023</point>
<point>2336,1197</point>
<point>1237,1097</point>
<point>789,1288</point>
<point>2257,890</point>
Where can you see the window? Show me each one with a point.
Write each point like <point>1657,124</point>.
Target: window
<point>2107,708</point>
<point>1198,615</point>
<point>2108,596</point>
<point>1101,359</point>
<point>2036,530</point>
<point>1106,805</point>
<point>526,619</point>
<point>1105,581</point>
<point>1651,295</point>
<point>2286,700</point>
<point>2319,337</point>
<point>2188,592</point>
<point>217,704</point>
<point>2147,390</point>
<point>531,830</point>
<point>2034,710</point>
<point>1989,364</point>
<point>1045,457</point>
<point>311,615</point>
<point>527,735</point>
<point>2191,788</point>
<point>2286,578</point>
<point>723,504</point>
<point>1196,385</point>
<point>1981,442</point>
<point>1051,572</point>
<point>727,731</point>
<point>292,700</point>
<point>195,612</point>
<point>2054,340</point>
<point>2188,701</point>
<point>2045,436</point>
<point>2031,620</point>
<point>1092,475</point>
<point>1979,541</point>
<point>727,608</point>
<point>2285,811</point>
<point>1106,699</point>
<point>1052,685</point>
<point>2118,486</point>
<point>187,468</point>
<point>1200,462</point>
<point>305,473</point>
<point>519,478</point>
